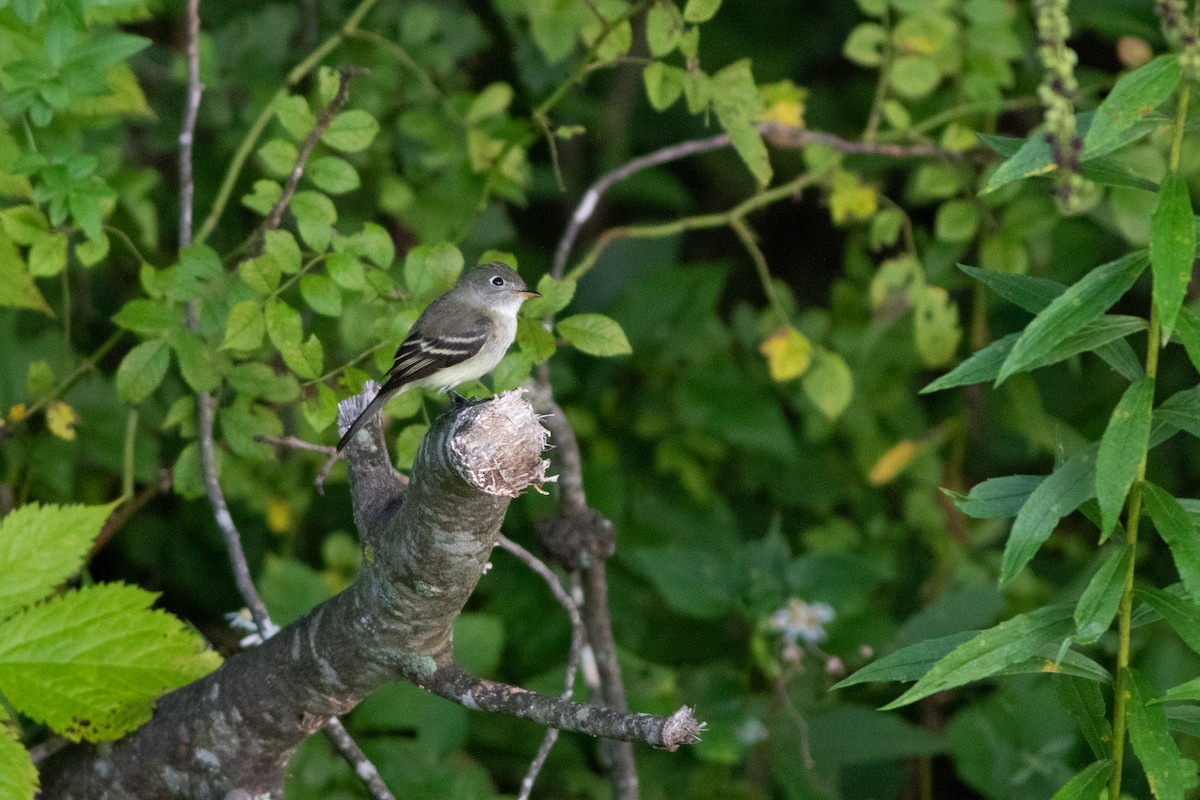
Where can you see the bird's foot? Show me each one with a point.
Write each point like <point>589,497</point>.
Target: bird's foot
<point>459,401</point>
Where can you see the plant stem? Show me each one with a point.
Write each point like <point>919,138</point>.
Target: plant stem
<point>1134,509</point>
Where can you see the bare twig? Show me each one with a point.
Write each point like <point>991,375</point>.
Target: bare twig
<point>187,134</point>
<point>131,506</point>
<point>272,220</point>
<point>296,443</point>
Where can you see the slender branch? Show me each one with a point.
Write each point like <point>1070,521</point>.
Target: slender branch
<point>187,133</point>
<point>272,220</point>
<point>298,73</point>
<point>746,235</point>
<point>296,443</point>
<point>132,504</point>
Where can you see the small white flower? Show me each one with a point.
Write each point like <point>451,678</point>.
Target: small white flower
<point>803,621</point>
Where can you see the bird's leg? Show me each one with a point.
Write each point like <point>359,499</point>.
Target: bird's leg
<point>460,402</point>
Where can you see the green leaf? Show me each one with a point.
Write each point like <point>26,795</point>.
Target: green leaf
<point>913,76</point>
<point>90,663</point>
<point>1122,448</point>
<point>147,317</point>
<point>1133,97</point>
<point>737,105</point>
<point>432,269</point>
<point>555,296</point>
<point>244,420</point>
<point>321,294</point>
<point>1026,291</point>
<point>278,157</point>
<point>491,102</point>
<point>260,273</point>
<point>142,370</point>
<point>18,775</point>
<point>956,221</point>
<point>245,328</point>
<point>908,663</point>
<point>594,334</point>
<point>266,193</point>
<point>664,29</point>
<point>534,340</point>
<point>320,411</point>
<point>1170,774</point>
<point>697,11</point>
<point>997,498</point>
<point>294,114</point>
<point>1062,492</point>
<point>351,131</point>
<point>828,383</point>
<point>260,381</point>
<point>866,44</point>
<point>1081,303</point>
<point>1188,690</point>
<point>1034,158</point>
<point>1011,642</point>
<point>1175,527</point>
<point>697,582</point>
<point>1187,329</point>
<point>48,255</point>
<point>332,174</point>
<point>315,215</point>
<point>375,243</point>
<point>346,271</point>
<point>199,365</point>
<point>1097,606</point>
<point>1182,614</point>
<point>42,546</point>
<point>17,287</point>
<point>188,478</point>
<point>1084,701</point>
<point>286,331</point>
<point>1087,783</point>
<point>664,83</point>
<point>935,326</point>
<point>1172,248</point>
<point>1180,411</point>
<point>985,364</point>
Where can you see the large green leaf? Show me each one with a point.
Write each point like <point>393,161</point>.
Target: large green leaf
<point>1172,249</point>
<point>1132,99</point>
<point>1170,774</point>
<point>1181,613</point>
<point>737,105</point>
<point>1122,448</point>
<point>998,498</point>
<point>42,546</point>
<point>1081,303</point>
<point>594,334</point>
<point>142,370</point>
<point>989,652</point>
<point>18,775</point>
<point>1084,701</point>
<point>1097,606</point>
<point>90,663</point>
<point>1061,493</point>
<point>908,663</point>
<point>1176,528</point>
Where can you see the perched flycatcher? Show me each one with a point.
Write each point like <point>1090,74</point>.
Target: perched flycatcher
<point>460,336</point>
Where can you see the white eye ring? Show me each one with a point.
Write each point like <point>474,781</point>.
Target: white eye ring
<point>497,281</point>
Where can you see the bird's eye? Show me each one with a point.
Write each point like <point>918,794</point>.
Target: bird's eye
<point>497,281</point>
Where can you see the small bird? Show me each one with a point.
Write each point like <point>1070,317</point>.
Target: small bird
<point>460,336</point>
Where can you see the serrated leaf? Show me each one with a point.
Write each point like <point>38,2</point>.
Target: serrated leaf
<point>332,174</point>
<point>198,364</point>
<point>594,334</point>
<point>998,498</point>
<point>351,131</point>
<point>1172,248</point>
<point>147,317</point>
<point>1097,606</point>
<point>90,663</point>
<point>1081,303</point>
<point>829,383</point>
<point>1176,529</point>
<point>1087,783</point>
<point>18,775</point>
<point>245,328</point>
<point>142,370</point>
<point>432,269</point>
<point>321,294</point>
<point>42,546</point>
<point>988,652</point>
<point>1062,492</point>
<point>1170,774</point>
<point>1134,96</point>
<point>1122,448</point>
<point>315,215</point>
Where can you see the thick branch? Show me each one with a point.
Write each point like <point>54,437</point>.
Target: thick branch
<point>236,728</point>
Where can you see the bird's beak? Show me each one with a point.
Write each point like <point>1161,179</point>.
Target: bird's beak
<point>528,294</point>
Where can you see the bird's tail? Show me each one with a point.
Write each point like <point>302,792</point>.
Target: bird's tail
<point>371,410</point>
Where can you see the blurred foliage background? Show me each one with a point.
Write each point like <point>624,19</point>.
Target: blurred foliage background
<point>774,476</point>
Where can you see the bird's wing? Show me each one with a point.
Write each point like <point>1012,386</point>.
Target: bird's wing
<point>429,349</point>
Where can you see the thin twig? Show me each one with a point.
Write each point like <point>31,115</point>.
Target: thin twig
<point>187,134</point>
<point>366,771</point>
<point>296,443</point>
<point>127,509</point>
<point>272,220</point>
